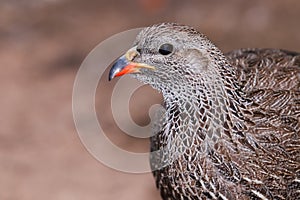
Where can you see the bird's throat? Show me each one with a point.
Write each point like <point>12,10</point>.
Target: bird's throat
<point>194,121</point>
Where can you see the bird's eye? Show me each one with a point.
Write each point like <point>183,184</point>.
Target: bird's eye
<point>139,50</point>
<point>165,49</point>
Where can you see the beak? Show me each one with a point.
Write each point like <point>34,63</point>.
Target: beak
<point>124,65</point>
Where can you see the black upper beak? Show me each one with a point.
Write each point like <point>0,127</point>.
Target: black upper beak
<point>117,67</point>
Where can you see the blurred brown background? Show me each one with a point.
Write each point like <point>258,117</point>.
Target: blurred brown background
<point>43,43</point>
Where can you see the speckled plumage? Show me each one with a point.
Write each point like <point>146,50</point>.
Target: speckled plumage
<point>264,162</point>
<point>232,123</point>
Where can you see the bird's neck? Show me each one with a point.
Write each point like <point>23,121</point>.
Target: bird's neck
<point>200,114</point>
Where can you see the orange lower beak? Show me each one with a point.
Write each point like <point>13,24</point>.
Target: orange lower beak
<point>128,69</point>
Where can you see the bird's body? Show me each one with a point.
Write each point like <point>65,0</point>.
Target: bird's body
<point>259,155</point>
<point>231,129</point>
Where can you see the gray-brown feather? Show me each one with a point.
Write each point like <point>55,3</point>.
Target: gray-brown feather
<point>264,160</point>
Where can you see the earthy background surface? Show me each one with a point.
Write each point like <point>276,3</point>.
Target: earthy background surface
<point>43,43</point>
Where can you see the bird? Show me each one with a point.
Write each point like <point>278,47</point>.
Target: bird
<point>231,125</point>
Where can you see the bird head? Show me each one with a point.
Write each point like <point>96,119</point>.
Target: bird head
<point>167,56</point>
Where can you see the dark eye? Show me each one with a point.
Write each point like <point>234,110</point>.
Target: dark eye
<point>165,49</point>
<point>139,50</point>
